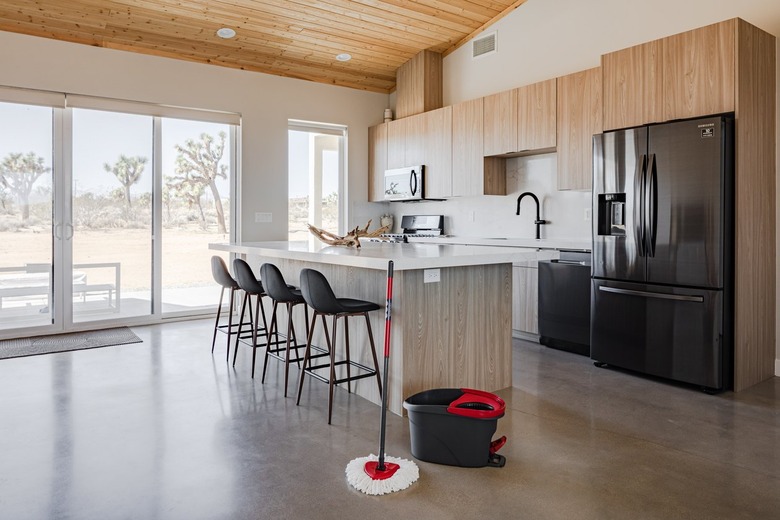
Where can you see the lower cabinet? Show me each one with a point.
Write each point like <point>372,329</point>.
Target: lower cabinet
<point>525,299</point>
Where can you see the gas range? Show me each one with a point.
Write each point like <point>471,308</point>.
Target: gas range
<point>417,226</point>
<point>404,237</point>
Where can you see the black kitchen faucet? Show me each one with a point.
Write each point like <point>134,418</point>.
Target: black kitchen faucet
<point>538,220</point>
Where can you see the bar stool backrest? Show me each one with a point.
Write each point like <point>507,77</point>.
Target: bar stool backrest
<point>221,274</point>
<point>318,293</point>
<point>274,284</point>
<point>246,278</point>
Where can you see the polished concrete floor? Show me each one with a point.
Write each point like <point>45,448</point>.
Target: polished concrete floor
<point>165,430</point>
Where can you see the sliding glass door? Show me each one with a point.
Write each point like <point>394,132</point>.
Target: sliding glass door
<point>197,163</point>
<point>111,232</point>
<point>107,209</point>
<point>26,217</point>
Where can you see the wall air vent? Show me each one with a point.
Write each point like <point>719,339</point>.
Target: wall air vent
<point>484,45</point>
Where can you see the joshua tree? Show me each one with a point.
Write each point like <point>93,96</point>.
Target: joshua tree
<point>188,189</point>
<point>128,171</point>
<point>18,173</point>
<point>198,161</point>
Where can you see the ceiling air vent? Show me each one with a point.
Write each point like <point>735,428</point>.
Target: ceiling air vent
<point>484,45</point>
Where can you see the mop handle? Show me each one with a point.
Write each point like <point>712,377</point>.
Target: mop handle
<point>388,308</point>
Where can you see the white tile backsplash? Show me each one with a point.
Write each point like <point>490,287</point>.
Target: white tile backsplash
<point>494,216</point>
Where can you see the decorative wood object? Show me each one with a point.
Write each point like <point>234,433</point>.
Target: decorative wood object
<point>351,239</point>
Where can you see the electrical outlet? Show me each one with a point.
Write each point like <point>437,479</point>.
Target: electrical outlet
<point>263,218</point>
<point>431,275</point>
<point>587,214</point>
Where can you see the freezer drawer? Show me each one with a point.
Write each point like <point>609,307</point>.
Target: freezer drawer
<point>662,331</point>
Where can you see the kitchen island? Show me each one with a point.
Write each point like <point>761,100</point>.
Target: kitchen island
<point>452,308</point>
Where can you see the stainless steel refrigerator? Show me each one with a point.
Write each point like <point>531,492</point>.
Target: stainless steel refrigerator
<point>662,272</point>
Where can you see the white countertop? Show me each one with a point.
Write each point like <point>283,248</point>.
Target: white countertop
<point>544,243</point>
<point>375,255</point>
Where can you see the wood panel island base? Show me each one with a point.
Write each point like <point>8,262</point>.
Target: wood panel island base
<point>454,332</point>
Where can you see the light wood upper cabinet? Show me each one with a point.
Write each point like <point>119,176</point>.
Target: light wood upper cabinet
<point>415,133</point>
<point>633,86</point>
<point>699,71</point>
<point>438,153</point>
<point>377,161</point>
<point>467,156</point>
<point>472,172</point>
<point>500,123</point>
<point>422,139</point>
<point>536,120</point>
<point>396,143</point>
<point>579,117</point>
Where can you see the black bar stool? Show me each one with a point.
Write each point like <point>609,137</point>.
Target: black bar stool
<point>280,292</point>
<point>252,287</point>
<point>222,276</point>
<point>319,296</point>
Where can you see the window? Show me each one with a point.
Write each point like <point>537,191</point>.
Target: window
<point>317,179</point>
<point>110,206</point>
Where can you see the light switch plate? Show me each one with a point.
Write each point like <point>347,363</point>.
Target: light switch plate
<point>431,275</point>
<point>263,218</point>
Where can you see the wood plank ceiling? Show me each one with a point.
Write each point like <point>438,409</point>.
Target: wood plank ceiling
<point>294,38</point>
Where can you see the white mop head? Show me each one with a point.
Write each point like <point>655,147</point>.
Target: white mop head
<point>407,474</point>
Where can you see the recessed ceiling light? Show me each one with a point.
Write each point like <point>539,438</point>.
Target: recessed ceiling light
<point>344,56</point>
<point>226,32</point>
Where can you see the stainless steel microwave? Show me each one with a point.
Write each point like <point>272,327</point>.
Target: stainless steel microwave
<point>404,183</point>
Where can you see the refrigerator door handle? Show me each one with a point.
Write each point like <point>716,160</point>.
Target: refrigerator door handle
<point>660,296</point>
<point>651,207</point>
<point>639,204</point>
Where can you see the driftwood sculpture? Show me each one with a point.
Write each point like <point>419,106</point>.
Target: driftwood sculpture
<point>351,239</point>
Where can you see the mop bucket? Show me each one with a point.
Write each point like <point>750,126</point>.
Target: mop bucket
<point>454,426</point>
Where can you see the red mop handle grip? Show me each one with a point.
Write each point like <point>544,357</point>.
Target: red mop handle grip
<point>388,307</point>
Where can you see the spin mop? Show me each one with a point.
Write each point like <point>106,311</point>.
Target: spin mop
<point>380,475</point>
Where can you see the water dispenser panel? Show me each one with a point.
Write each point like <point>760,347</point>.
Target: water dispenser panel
<point>612,214</point>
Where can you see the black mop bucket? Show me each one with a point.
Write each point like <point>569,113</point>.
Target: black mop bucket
<point>454,426</point>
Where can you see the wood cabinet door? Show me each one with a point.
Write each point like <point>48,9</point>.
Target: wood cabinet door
<point>525,299</point>
<point>467,156</point>
<point>500,123</point>
<point>699,71</point>
<point>438,153</point>
<point>579,117</point>
<point>396,143</point>
<point>633,86</point>
<point>377,162</point>
<point>415,140</point>
<point>536,121</point>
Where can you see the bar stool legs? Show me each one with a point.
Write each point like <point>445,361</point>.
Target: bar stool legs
<point>291,341</point>
<point>330,340</point>
<point>319,296</point>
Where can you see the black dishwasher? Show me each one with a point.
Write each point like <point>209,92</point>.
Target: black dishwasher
<point>564,302</point>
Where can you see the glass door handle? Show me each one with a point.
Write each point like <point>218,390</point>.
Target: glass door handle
<point>69,227</point>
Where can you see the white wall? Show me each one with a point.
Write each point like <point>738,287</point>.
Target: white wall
<point>265,103</point>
